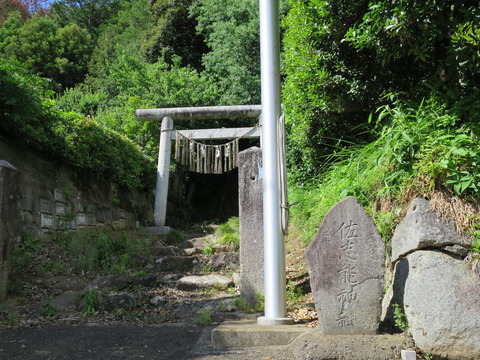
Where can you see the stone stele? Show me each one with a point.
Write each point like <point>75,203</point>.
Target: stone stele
<point>346,260</point>
<point>250,201</point>
<point>9,215</point>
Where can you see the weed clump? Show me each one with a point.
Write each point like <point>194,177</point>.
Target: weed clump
<point>88,302</point>
<point>204,317</point>
<point>49,310</point>
<point>229,233</point>
<point>106,250</point>
<point>399,318</point>
<point>257,304</point>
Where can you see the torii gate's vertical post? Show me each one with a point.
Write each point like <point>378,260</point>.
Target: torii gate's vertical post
<point>161,192</point>
<point>274,243</point>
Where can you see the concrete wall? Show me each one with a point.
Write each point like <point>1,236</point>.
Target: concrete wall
<point>56,197</point>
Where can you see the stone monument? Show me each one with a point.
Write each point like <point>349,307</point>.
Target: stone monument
<point>250,193</point>
<point>346,260</point>
<point>9,219</point>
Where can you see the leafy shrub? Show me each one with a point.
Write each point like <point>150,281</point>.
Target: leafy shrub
<point>24,252</point>
<point>106,250</point>
<point>90,146</point>
<point>82,100</point>
<point>229,233</point>
<point>476,246</point>
<point>11,318</point>
<point>208,249</point>
<point>21,104</point>
<point>342,56</point>
<point>417,149</point>
<point>29,115</point>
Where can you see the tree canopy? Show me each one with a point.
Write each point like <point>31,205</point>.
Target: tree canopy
<point>345,64</point>
<point>342,57</point>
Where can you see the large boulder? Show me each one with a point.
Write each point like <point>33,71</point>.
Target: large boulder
<point>441,299</point>
<point>423,228</point>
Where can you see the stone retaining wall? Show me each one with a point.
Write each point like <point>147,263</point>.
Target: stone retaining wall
<point>56,197</point>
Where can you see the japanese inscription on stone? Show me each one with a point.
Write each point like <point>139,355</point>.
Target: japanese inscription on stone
<point>347,274</point>
<point>346,261</point>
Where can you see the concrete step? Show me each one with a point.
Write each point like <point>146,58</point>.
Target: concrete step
<point>248,334</point>
<point>306,343</point>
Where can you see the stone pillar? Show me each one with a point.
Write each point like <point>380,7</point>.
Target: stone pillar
<point>10,219</point>
<point>161,191</point>
<point>250,199</point>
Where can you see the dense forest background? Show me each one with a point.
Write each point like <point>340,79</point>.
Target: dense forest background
<point>381,98</point>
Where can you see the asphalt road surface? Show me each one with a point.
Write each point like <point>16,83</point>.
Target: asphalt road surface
<point>99,342</point>
<point>118,341</point>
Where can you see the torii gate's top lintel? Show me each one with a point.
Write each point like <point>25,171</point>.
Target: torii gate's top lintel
<point>202,112</point>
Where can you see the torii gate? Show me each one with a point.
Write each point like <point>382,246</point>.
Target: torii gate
<point>167,133</point>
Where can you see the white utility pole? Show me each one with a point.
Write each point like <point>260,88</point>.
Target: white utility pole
<point>274,243</point>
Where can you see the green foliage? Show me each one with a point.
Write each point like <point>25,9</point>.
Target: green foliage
<point>208,249</point>
<point>106,250</point>
<point>91,146</point>
<point>399,317</point>
<point>73,55</point>
<point>293,294</point>
<point>24,252</point>
<point>476,245</point>
<point>385,222</point>
<point>342,56</point>
<point>204,317</point>
<point>173,34</point>
<point>35,45</point>
<point>229,233</point>
<point>59,53</point>
<point>49,310</point>
<point>7,7</point>
<point>88,302</point>
<point>51,267</point>
<point>327,91</point>
<point>10,28</point>
<point>174,236</point>
<point>11,319</point>
<point>256,305</point>
<point>231,31</point>
<point>130,83</point>
<point>124,33</point>
<point>32,118</point>
<point>419,149</point>
<point>88,14</point>
<point>21,103</point>
<point>432,39</point>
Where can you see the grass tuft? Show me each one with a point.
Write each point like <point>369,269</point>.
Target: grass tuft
<point>229,233</point>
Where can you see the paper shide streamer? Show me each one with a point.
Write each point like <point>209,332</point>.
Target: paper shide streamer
<point>204,158</point>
